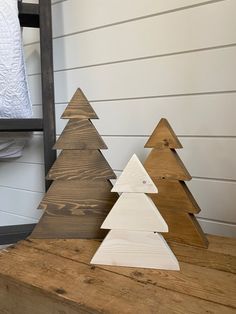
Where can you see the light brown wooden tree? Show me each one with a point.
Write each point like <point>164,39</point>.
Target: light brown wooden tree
<point>174,200</point>
<point>80,196</point>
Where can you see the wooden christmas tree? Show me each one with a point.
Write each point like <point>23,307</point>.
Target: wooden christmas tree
<point>174,200</point>
<point>80,196</point>
<point>135,222</point>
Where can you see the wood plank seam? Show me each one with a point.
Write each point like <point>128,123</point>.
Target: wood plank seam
<point>135,273</point>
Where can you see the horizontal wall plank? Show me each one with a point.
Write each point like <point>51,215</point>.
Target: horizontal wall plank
<point>204,115</point>
<point>216,198</point>
<point>80,15</point>
<point>199,72</point>
<point>7,219</point>
<point>30,35</point>
<point>218,228</point>
<point>203,157</point>
<point>182,32</point>
<point>25,176</point>
<point>20,202</point>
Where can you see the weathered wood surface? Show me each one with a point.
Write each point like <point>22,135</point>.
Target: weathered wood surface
<point>88,165</point>
<point>163,136</point>
<point>174,194</point>
<point>80,134</point>
<point>166,164</point>
<point>79,108</point>
<point>56,277</point>
<point>220,254</point>
<point>75,209</point>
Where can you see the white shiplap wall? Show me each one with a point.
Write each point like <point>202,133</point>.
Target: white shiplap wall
<point>138,61</point>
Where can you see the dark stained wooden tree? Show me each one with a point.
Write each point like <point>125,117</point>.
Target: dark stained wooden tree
<point>174,200</point>
<point>80,196</point>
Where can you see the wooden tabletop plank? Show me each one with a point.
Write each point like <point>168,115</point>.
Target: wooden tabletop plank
<point>222,245</point>
<point>16,297</point>
<point>98,289</point>
<point>201,282</point>
<point>204,257</point>
<point>210,258</point>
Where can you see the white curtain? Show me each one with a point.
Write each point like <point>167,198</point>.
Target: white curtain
<point>14,93</point>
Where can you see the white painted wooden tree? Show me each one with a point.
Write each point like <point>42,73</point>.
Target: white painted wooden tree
<point>135,222</point>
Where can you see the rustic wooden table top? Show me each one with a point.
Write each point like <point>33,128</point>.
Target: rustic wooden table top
<point>55,277</point>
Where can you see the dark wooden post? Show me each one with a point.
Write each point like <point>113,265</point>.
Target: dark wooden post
<point>46,49</point>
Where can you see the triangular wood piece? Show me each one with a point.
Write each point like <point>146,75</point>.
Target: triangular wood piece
<point>135,249</point>
<point>79,108</point>
<point>163,136</point>
<point>82,165</point>
<point>134,178</point>
<point>80,134</point>
<point>76,195</point>
<point>135,211</point>
<point>174,195</point>
<point>75,209</point>
<point>166,164</point>
<point>183,228</point>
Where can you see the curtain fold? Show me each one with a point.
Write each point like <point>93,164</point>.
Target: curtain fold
<point>14,92</point>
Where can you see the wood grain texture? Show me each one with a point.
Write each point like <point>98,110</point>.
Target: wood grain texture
<point>210,258</point>
<point>79,108</point>
<point>75,209</point>
<point>82,165</point>
<point>31,300</point>
<point>166,164</point>
<point>163,136</point>
<point>175,195</point>
<point>76,195</point>
<point>135,211</point>
<point>83,225</point>
<point>80,134</point>
<point>134,178</point>
<point>220,255</point>
<point>135,249</point>
<point>53,268</point>
<point>183,228</point>
<point>222,245</point>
